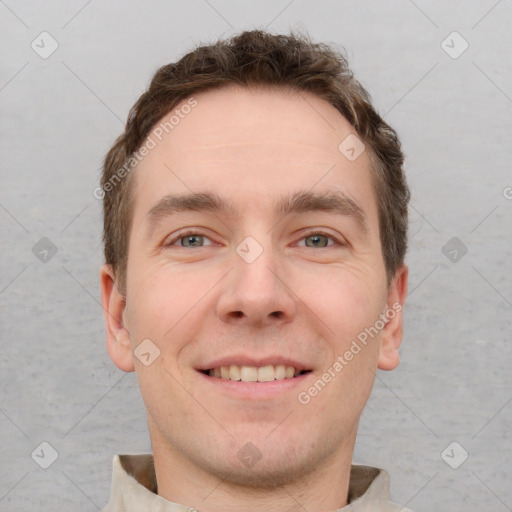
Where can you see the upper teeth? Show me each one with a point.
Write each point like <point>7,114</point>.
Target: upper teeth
<point>255,373</point>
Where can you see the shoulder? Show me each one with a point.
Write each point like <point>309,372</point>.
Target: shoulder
<point>369,491</point>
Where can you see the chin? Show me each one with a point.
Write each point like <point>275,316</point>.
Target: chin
<point>266,465</point>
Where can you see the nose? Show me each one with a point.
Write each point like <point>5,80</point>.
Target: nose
<point>256,293</point>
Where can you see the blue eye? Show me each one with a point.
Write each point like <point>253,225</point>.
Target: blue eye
<point>318,240</point>
<point>196,240</point>
<point>191,240</point>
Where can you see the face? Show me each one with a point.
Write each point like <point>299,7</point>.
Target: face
<point>254,254</point>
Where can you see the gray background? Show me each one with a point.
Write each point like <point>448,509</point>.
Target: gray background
<point>58,118</point>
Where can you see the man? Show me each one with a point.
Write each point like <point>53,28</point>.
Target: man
<point>255,216</point>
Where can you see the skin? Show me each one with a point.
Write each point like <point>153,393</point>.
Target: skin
<point>197,304</point>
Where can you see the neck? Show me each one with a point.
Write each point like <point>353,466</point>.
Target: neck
<point>182,481</point>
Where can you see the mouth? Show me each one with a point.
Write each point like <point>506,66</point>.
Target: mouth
<point>267,373</point>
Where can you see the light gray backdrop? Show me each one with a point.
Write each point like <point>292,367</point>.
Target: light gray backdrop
<point>61,111</point>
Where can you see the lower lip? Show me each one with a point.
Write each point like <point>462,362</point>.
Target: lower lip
<point>247,390</point>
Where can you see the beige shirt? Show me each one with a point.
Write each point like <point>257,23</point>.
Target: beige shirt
<point>134,489</point>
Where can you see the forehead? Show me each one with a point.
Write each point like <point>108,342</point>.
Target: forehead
<point>251,143</point>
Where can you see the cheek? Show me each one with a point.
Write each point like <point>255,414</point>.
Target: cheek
<point>158,300</point>
<point>347,301</point>
<point>169,305</point>
<point>351,308</point>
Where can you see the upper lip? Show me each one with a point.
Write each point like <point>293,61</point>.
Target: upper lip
<point>244,360</point>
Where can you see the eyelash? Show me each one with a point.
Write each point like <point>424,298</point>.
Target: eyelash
<point>184,234</point>
<point>321,233</point>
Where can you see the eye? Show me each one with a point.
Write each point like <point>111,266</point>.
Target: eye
<point>190,240</point>
<point>317,240</point>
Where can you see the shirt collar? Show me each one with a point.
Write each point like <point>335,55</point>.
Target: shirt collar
<point>134,487</point>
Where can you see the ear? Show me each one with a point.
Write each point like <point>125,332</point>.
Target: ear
<point>389,358</point>
<point>118,338</point>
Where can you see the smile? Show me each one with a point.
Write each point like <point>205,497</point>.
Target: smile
<point>266,373</point>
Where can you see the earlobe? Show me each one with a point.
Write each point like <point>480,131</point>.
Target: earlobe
<point>118,336</point>
<point>389,357</point>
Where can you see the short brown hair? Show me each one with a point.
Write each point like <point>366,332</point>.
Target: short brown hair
<point>258,59</point>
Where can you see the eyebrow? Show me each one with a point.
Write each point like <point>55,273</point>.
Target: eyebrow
<point>332,202</point>
<point>299,202</point>
<point>188,202</point>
